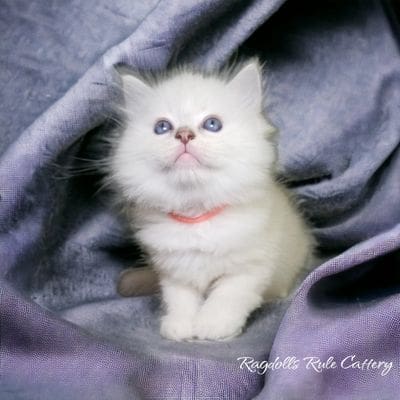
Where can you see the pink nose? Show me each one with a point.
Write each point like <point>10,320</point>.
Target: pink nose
<point>184,135</point>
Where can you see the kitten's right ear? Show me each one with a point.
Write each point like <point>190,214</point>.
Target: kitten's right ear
<point>133,86</point>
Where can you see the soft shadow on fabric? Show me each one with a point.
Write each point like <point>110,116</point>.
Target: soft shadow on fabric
<point>365,283</point>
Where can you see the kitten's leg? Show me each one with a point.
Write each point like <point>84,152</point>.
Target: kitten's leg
<point>138,281</point>
<point>225,311</point>
<point>182,303</point>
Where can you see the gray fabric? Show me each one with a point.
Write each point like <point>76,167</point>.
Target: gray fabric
<point>338,79</point>
<point>332,77</point>
<point>47,46</point>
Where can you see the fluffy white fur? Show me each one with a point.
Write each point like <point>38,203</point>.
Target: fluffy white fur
<point>213,274</point>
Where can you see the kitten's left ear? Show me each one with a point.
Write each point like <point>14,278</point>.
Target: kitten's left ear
<point>247,83</point>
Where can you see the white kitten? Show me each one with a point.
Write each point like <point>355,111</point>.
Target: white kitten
<point>194,165</point>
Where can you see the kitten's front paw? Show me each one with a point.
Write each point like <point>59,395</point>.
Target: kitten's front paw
<point>176,328</point>
<point>217,326</point>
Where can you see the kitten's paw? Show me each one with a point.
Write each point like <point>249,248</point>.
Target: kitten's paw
<point>217,326</point>
<point>176,328</point>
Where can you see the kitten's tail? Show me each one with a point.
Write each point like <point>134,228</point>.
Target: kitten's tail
<point>142,281</point>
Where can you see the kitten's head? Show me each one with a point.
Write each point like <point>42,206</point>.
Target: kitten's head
<point>193,140</point>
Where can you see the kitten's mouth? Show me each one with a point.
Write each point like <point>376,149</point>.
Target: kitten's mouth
<point>186,159</point>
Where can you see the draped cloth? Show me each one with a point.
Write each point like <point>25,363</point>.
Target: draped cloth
<point>332,72</point>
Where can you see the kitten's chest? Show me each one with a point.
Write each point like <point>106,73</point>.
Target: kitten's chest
<point>172,236</point>
<point>202,252</point>
<point>218,236</point>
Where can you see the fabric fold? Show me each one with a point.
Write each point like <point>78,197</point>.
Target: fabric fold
<point>332,74</point>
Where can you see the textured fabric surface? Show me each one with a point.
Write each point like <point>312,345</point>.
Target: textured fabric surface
<point>333,74</point>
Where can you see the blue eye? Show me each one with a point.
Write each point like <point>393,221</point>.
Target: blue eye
<point>212,124</point>
<point>162,126</point>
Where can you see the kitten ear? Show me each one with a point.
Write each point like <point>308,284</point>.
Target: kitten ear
<point>133,86</point>
<point>247,83</point>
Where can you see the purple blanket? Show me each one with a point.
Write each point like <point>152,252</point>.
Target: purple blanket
<point>333,90</point>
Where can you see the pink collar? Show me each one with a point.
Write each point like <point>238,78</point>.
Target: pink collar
<point>199,218</point>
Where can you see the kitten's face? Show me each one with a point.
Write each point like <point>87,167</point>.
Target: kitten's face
<point>191,135</point>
